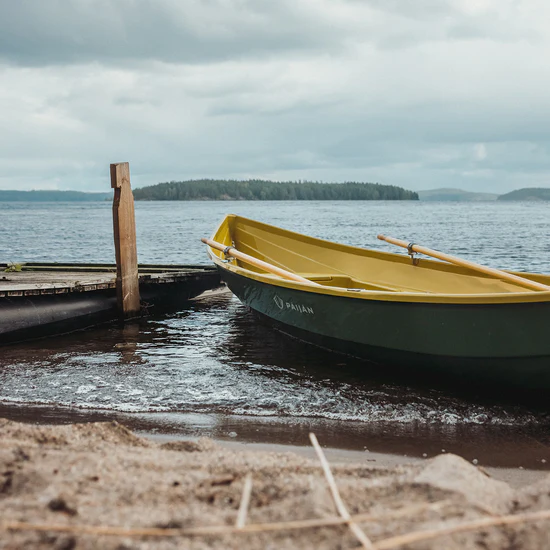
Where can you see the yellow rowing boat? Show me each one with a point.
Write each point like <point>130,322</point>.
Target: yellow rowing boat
<point>437,317</point>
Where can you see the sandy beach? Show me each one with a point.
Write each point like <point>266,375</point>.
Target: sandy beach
<point>93,485</point>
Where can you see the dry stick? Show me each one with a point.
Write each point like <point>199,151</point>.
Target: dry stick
<point>245,499</point>
<point>213,529</point>
<point>217,529</point>
<point>385,544</point>
<point>400,540</point>
<point>342,510</point>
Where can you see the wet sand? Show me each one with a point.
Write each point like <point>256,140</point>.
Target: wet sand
<point>96,475</point>
<point>515,477</point>
<point>519,457</point>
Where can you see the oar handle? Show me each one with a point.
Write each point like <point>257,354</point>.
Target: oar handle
<point>270,268</point>
<point>514,279</point>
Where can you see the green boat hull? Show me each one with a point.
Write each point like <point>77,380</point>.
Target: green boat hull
<point>506,345</point>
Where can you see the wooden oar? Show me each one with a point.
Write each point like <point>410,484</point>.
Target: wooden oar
<point>270,268</point>
<point>515,279</point>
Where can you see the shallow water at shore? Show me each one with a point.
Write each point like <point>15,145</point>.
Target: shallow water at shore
<point>521,448</point>
<point>212,370</point>
<point>214,357</point>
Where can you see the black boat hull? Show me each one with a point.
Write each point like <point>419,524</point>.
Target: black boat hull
<point>468,343</point>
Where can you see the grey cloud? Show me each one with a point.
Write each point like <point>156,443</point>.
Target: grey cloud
<point>36,33</point>
<point>126,32</point>
<point>132,101</point>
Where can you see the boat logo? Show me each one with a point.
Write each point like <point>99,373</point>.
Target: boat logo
<point>281,304</point>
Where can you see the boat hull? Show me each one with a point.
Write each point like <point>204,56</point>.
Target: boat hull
<point>503,344</point>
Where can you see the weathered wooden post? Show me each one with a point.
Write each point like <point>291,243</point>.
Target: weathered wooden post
<point>124,223</point>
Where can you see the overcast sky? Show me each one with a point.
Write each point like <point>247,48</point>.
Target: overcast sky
<point>423,94</point>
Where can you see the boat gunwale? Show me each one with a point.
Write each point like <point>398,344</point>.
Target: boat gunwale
<point>364,294</point>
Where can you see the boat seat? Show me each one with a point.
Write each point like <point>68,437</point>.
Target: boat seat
<point>345,281</point>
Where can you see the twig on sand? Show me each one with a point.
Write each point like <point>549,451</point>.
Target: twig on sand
<point>219,529</point>
<point>409,538</point>
<point>245,499</point>
<point>342,510</point>
<point>385,544</point>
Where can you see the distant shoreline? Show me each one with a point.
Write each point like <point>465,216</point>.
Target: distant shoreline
<point>52,196</point>
<point>458,195</point>
<point>396,194</point>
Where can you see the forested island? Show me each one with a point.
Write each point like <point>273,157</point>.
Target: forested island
<point>527,194</point>
<point>264,190</point>
<point>51,196</point>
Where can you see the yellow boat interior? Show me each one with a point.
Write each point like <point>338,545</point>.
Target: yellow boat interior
<point>343,269</point>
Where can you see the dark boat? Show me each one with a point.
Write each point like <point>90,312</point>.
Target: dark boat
<point>42,299</point>
<point>428,318</point>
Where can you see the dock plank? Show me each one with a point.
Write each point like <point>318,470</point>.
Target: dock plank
<point>37,280</point>
<point>32,280</point>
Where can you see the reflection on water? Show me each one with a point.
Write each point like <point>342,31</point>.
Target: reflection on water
<point>215,357</point>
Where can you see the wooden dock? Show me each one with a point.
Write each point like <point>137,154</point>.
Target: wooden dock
<point>35,279</point>
<point>41,299</point>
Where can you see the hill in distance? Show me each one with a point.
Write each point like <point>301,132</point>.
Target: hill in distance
<point>455,195</point>
<point>52,196</point>
<point>527,194</point>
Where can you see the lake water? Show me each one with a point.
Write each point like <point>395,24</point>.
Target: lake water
<point>506,235</point>
<point>211,369</point>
